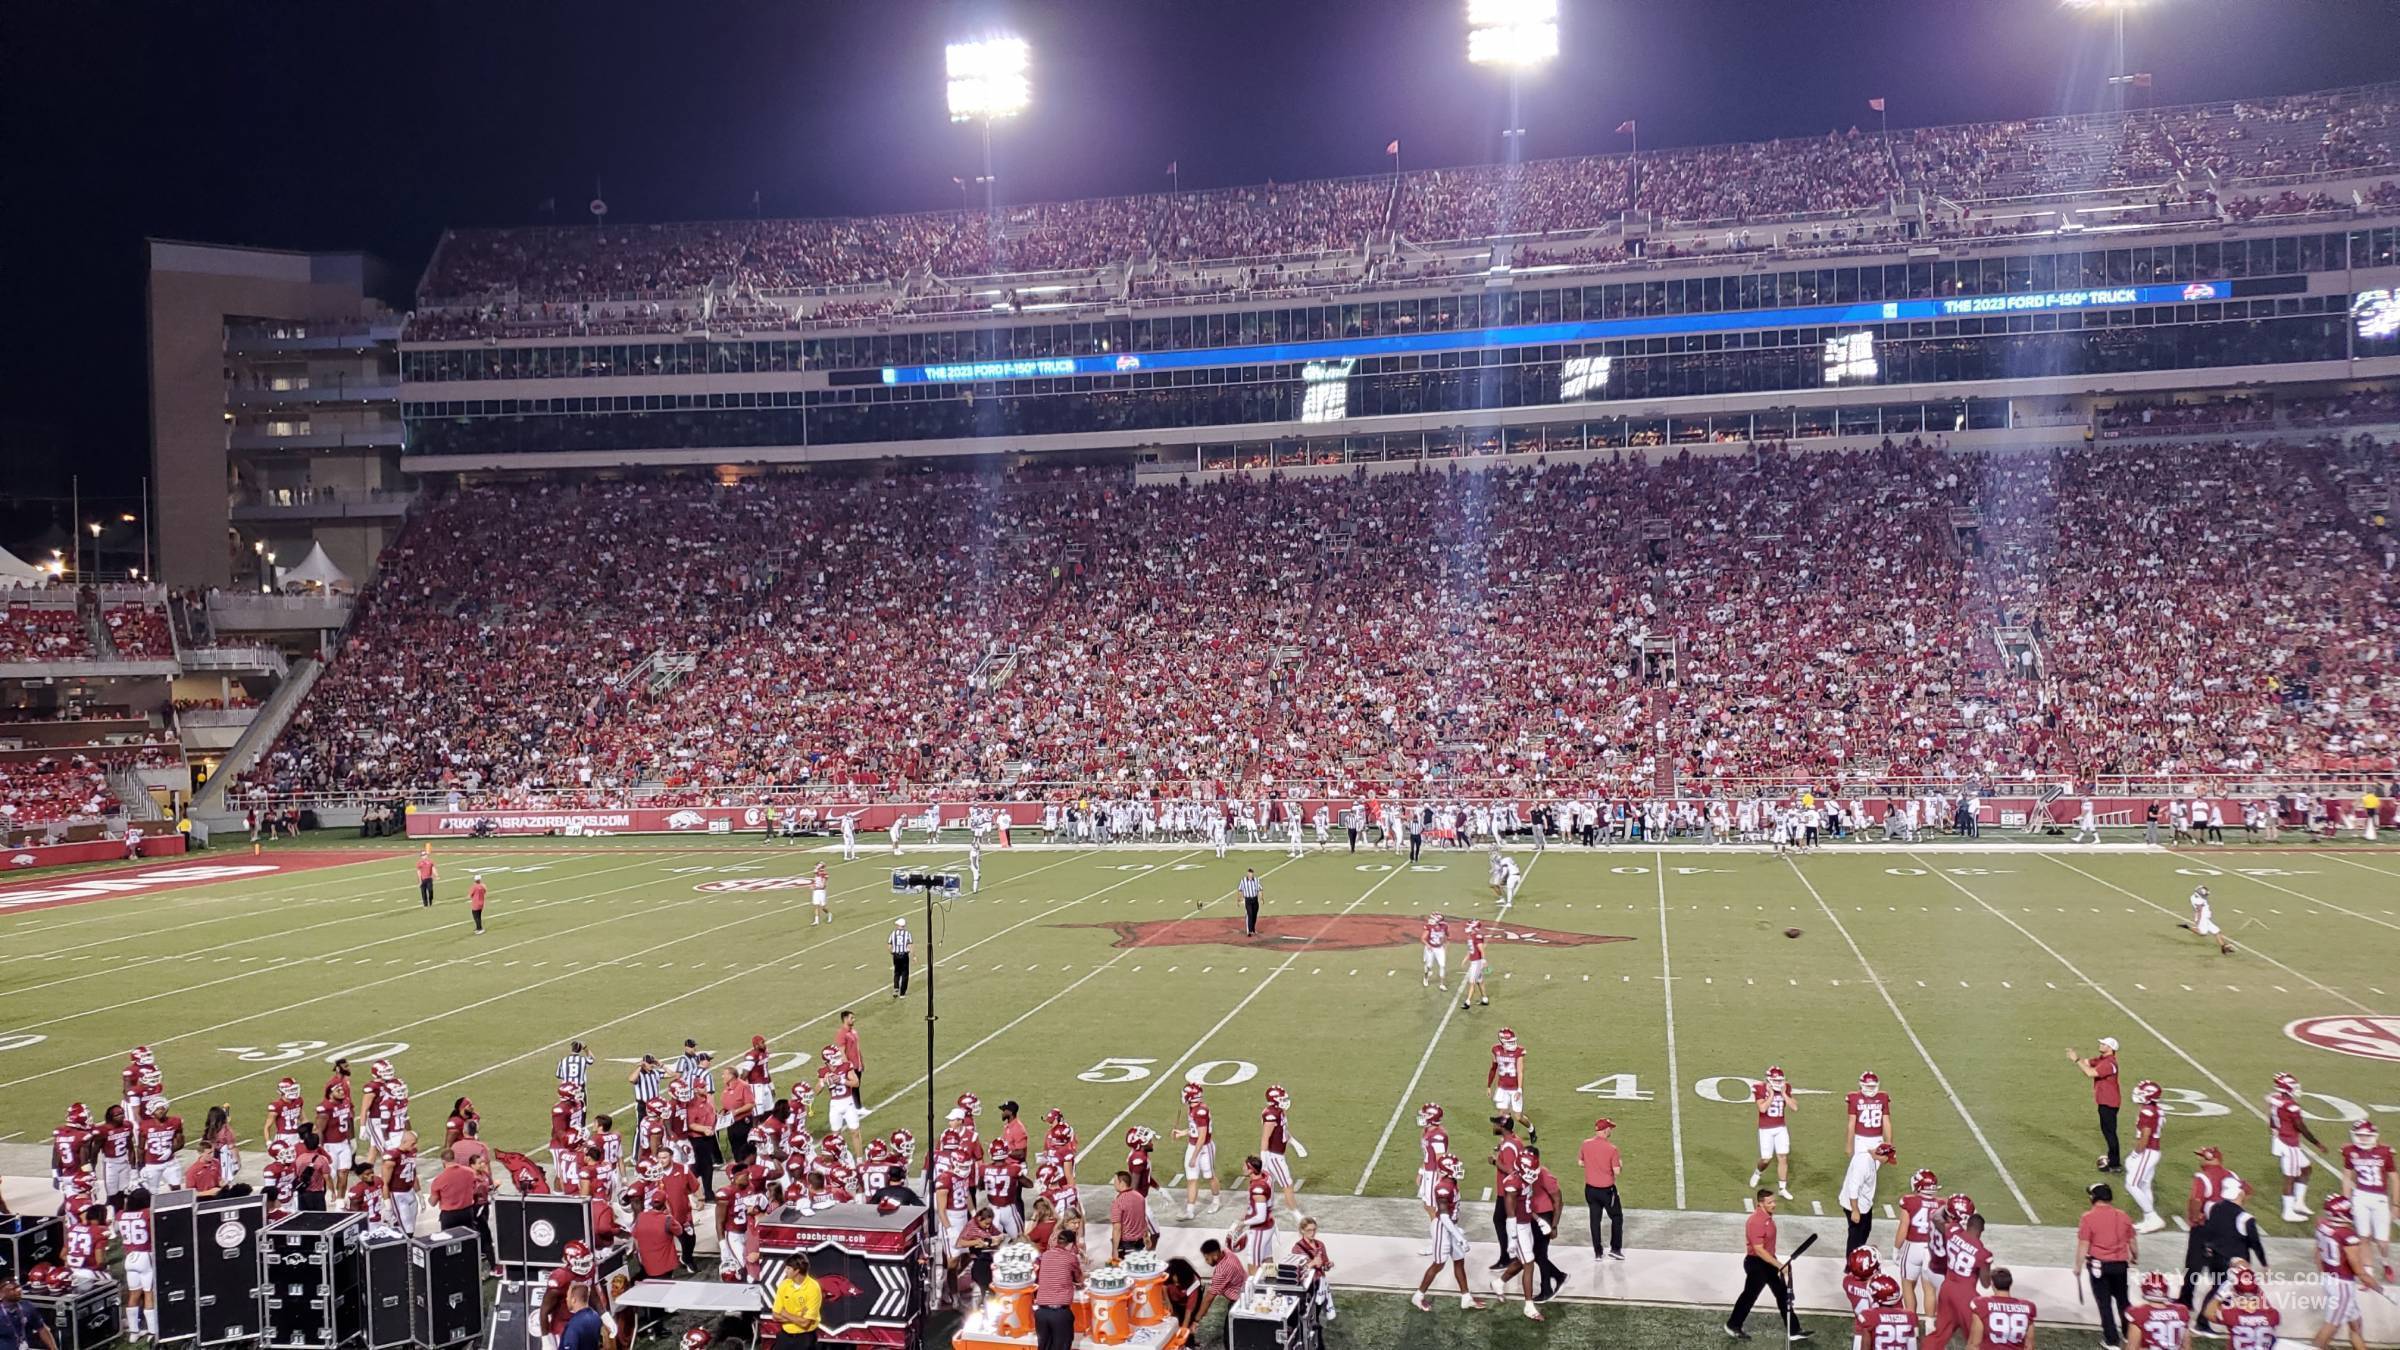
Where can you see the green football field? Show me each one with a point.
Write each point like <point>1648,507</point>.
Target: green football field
<point>1647,985</point>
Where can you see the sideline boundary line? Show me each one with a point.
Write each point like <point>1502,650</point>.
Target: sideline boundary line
<point>1923,1053</point>
<point>371,984</point>
<point>513,991</point>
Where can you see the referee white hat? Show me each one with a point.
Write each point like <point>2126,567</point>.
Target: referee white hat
<point>900,923</point>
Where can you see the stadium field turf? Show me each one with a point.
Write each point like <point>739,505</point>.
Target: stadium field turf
<point>1648,985</point>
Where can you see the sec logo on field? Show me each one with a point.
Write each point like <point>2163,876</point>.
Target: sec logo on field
<point>2365,1037</point>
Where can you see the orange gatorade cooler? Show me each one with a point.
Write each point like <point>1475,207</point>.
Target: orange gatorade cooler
<point>1111,1291</point>
<point>1012,1289</point>
<point>1149,1272</point>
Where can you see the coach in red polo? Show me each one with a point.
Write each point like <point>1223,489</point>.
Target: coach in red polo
<point>1760,1270</point>
<point>1601,1163</point>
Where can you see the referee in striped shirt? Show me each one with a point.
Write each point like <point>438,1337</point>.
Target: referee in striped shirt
<point>575,1066</point>
<point>902,940</point>
<point>647,1078</point>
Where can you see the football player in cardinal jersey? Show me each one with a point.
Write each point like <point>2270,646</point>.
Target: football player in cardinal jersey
<point>136,1236</point>
<point>1472,987</point>
<point>285,1113</point>
<point>2287,1128</point>
<point>2141,1165</point>
<point>1253,1235</point>
<point>1860,1269</point>
<point>1004,1189</point>
<point>838,1081</point>
<point>2157,1322</point>
<point>1437,950</point>
<point>1858,1194</point>
<point>1962,1258</point>
<point>1866,1116</point>
<point>112,1142</point>
<point>1774,1101</point>
<point>1199,1151</point>
<point>2243,1313</point>
<point>1506,1079</point>
<point>1059,1139</point>
<point>2367,1180</point>
<point>1139,1141</point>
<point>1449,1246</point>
<point>1434,1145</point>
<point>579,1267</point>
<point>281,1180</point>
<point>1884,1324</point>
<point>1274,1137</point>
<point>2342,1260</point>
<point>1920,1224</point>
<point>71,1145</point>
<point>84,1248</point>
<point>156,1142</point>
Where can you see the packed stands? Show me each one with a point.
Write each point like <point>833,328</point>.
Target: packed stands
<point>1762,612</point>
<point>53,789</point>
<point>139,632</point>
<point>559,280</point>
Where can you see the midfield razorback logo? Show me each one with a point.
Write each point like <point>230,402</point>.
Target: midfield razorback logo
<point>1344,933</point>
<point>2366,1037</point>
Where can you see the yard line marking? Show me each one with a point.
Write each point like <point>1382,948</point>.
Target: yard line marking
<point>276,934</point>
<point>1095,973</point>
<point>299,880</point>
<point>1247,999</point>
<point>1922,1053</point>
<point>2303,895</point>
<point>329,958</point>
<point>2155,1034</point>
<point>1409,1093</point>
<point>2253,950</point>
<point>347,990</point>
<point>1666,966</point>
<point>55,952</point>
<point>587,1033</point>
<point>2364,867</point>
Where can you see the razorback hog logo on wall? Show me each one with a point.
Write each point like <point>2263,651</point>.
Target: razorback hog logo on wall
<point>1342,933</point>
<point>687,820</point>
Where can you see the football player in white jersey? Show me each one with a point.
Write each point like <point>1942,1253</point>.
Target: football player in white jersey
<point>2204,922</point>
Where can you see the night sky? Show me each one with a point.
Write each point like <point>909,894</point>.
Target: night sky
<point>340,126</point>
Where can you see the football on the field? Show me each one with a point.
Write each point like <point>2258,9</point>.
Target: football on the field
<point>1791,932</point>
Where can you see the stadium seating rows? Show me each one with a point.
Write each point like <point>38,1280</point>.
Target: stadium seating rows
<point>530,275</point>
<point>53,789</point>
<point>1826,612</point>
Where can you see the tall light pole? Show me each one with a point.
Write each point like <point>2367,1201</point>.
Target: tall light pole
<point>2120,79</point>
<point>990,80</point>
<point>1517,36</point>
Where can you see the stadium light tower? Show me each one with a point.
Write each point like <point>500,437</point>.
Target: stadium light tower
<point>990,81</point>
<point>2120,79</point>
<point>1517,36</point>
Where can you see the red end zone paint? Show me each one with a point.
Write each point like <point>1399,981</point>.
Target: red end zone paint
<point>1345,933</point>
<point>76,890</point>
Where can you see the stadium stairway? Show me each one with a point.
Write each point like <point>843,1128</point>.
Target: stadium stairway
<point>1674,1257</point>
<point>265,726</point>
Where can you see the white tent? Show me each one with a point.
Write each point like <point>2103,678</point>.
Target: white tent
<point>15,571</point>
<point>316,572</point>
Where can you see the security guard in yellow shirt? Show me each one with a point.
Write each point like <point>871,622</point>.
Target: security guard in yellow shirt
<point>799,1307</point>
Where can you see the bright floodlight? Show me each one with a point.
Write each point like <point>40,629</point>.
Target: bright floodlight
<point>1518,33</point>
<point>988,79</point>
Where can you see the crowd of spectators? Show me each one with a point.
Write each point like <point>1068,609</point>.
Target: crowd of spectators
<point>44,633</point>
<point>2215,414</point>
<point>139,632</point>
<point>52,790</point>
<point>1764,612</point>
<point>742,275</point>
<point>2199,607</point>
